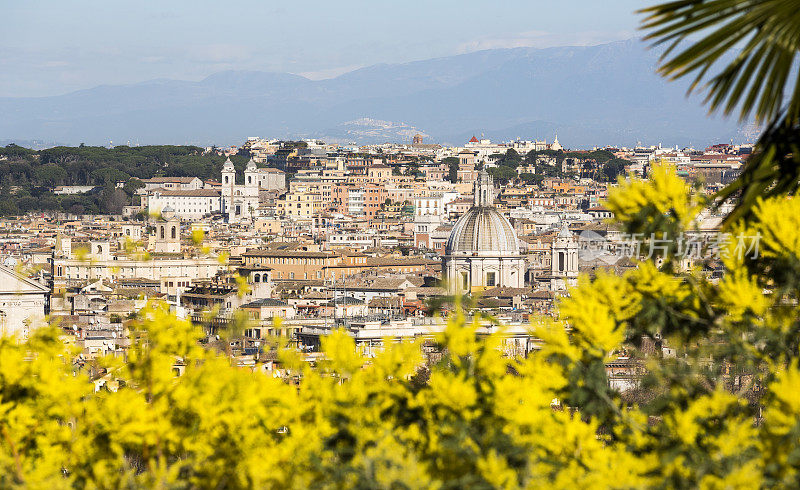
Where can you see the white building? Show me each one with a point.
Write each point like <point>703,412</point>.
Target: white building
<point>184,204</point>
<point>483,250</point>
<point>72,189</point>
<point>523,147</point>
<point>355,202</point>
<point>434,204</point>
<point>352,240</point>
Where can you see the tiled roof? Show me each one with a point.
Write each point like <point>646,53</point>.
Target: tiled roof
<point>288,253</point>
<point>190,193</point>
<point>160,180</point>
<point>268,302</point>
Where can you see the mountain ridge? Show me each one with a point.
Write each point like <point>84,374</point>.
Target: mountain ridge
<point>590,95</point>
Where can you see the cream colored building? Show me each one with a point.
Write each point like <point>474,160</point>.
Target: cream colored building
<point>77,266</point>
<point>22,303</point>
<point>300,204</point>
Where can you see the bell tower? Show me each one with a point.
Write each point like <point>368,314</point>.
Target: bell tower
<point>250,190</point>
<point>251,175</point>
<point>564,260</point>
<point>228,183</point>
<point>168,237</point>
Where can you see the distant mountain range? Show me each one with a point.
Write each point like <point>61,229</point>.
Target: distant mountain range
<point>588,95</point>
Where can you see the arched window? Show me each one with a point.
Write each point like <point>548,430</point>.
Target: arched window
<point>162,231</point>
<point>561,265</point>
<point>99,249</point>
<point>257,278</point>
<point>249,179</point>
<point>173,233</point>
<point>226,179</point>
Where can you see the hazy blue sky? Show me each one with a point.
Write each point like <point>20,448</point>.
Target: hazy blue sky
<point>50,47</point>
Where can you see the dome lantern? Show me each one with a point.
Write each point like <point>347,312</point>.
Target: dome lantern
<point>483,190</point>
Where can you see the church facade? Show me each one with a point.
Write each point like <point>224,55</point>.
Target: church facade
<point>239,202</point>
<point>187,201</point>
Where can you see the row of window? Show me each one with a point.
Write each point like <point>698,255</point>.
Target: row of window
<point>294,260</point>
<point>180,284</point>
<point>291,275</point>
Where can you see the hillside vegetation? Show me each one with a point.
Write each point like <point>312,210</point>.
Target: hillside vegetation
<point>27,177</point>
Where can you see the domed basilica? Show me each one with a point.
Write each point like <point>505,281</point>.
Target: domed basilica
<point>483,250</point>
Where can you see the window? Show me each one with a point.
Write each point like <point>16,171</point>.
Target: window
<point>257,278</point>
<point>291,275</point>
<point>464,280</point>
<point>561,267</point>
<point>173,232</point>
<point>490,279</point>
<point>162,231</point>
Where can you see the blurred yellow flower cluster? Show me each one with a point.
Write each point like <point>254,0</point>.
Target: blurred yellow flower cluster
<point>474,418</point>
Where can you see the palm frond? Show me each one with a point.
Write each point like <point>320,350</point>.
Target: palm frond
<point>699,33</point>
<point>764,38</point>
<point>773,169</point>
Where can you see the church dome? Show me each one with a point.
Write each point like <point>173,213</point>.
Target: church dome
<point>483,231</point>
